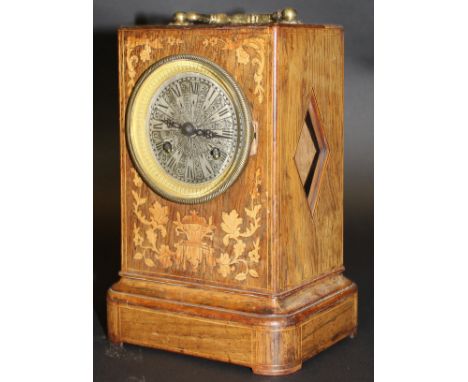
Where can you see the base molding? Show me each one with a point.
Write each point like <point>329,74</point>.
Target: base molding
<point>275,370</point>
<point>270,343</point>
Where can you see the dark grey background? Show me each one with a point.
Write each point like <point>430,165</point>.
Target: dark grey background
<point>349,360</point>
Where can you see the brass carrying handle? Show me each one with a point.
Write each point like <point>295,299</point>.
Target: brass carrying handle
<point>287,16</point>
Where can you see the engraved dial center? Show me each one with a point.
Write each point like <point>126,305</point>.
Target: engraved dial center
<point>193,128</point>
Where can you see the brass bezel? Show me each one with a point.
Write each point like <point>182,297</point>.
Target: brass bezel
<point>136,129</point>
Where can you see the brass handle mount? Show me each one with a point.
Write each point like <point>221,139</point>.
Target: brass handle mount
<point>285,16</point>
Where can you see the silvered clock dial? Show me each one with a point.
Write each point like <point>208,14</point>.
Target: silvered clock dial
<point>193,128</point>
<point>189,128</point>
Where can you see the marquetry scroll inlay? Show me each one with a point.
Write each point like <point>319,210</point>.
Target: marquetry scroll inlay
<point>249,51</point>
<point>194,249</point>
<point>137,53</point>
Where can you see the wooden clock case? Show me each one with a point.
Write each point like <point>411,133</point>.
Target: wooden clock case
<point>254,276</point>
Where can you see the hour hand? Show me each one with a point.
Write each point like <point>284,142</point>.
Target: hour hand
<point>171,124</point>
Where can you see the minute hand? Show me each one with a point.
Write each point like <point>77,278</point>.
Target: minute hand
<point>210,134</point>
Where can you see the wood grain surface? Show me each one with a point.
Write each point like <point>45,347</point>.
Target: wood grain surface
<point>254,276</point>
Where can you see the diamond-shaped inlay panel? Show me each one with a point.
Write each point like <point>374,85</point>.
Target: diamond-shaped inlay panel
<point>310,155</point>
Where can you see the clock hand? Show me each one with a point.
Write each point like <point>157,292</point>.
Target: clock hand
<point>189,130</point>
<point>170,124</point>
<point>209,134</point>
<point>216,135</point>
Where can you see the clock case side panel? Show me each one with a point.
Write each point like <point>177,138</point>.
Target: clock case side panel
<point>309,82</point>
<point>244,55</point>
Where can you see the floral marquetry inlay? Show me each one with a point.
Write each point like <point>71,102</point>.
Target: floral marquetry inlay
<point>194,250</point>
<point>142,53</point>
<point>249,51</point>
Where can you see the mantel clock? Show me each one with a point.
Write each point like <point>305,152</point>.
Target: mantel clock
<point>231,132</point>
